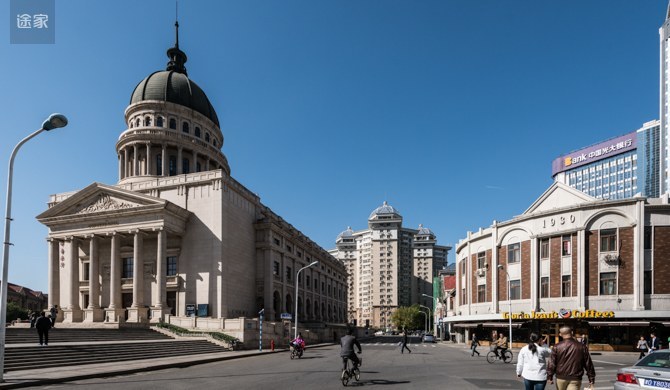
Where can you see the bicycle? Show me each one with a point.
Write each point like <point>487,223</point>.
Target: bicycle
<point>296,352</point>
<point>352,372</point>
<point>506,356</point>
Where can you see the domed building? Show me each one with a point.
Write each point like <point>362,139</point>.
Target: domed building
<point>388,266</point>
<point>178,239</point>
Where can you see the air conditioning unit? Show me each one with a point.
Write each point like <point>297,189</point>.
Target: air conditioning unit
<point>481,272</point>
<point>611,258</point>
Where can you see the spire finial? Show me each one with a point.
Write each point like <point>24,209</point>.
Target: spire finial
<point>176,23</point>
<point>177,57</point>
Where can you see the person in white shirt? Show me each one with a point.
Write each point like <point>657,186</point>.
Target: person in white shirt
<point>532,364</point>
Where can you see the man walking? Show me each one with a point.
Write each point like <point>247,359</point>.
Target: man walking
<point>43,324</point>
<point>654,343</point>
<point>54,313</point>
<point>404,343</point>
<point>569,359</point>
<point>473,345</point>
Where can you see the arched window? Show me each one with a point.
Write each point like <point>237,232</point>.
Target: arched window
<point>147,121</point>
<point>159,121</point>
<point>276,304</point>
<point>197,132</point>
<point>185,166</point>
<point>173,124</point>
<point>198,167</point>
<point>184,127</point>
<point>137,122</point>
<point>131,124</point>
<point>214,143</point>
<point>207,137</point>
<point>289,303</point>
<point>172,167</point>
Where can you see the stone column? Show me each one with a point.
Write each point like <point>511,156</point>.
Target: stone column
<point>581,266</point>
<point>164,160</point>
<point>148,160</point>
<point>207,165</point>
<point>160,307</point>
<point>125,162</point>
<point>179,162</point>
<point>534,275</point>
<point>93,313</point>
<point>120,165</point>
<point>54,273</point>
<point>73,311</point>
<point>195,162</point>
<point>638,257</point>
<point>138,312</point>
<point>136,161</point>
<point>115,313</point>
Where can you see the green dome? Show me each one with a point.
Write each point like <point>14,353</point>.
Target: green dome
<point>174,87</point>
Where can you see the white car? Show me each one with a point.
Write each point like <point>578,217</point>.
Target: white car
<point>651,372</point>
<point>379,333</point>
<point>428,338</point>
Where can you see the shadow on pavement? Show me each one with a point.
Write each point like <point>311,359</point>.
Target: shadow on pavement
<point>376,382</point>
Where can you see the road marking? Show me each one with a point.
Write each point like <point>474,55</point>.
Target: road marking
<point>616,364</point>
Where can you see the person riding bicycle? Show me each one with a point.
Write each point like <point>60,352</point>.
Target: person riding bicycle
<point>298,343</point>
<point>347,348</point>
<point>501,345</point>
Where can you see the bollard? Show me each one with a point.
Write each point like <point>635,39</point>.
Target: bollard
<point>272,345</point>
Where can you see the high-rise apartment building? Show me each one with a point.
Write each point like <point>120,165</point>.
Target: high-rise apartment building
<point>388,266</point>
<point>617,168</point>
<point>664,111</point>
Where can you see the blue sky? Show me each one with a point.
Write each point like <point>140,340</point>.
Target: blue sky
<point>452,111</point>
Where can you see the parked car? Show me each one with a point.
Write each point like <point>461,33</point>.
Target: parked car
<point>428,338</point>
<point>651,372</point>
<point>379,333</point>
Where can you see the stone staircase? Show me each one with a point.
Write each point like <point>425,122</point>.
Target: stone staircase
<point>70,347</point>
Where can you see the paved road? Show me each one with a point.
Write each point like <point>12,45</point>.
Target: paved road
<point>428,366</point>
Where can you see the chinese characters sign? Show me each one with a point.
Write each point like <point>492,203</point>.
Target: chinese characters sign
<point>32,21</point>
<point>595,152</point>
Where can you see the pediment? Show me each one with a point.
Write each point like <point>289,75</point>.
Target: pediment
<point>558,196</point>
<point>99,199</point>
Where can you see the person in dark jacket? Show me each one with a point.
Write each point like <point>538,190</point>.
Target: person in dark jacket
<point>404,343</point>
<point>474,344</point>
<point>43,324</point>
<point>569,359</point>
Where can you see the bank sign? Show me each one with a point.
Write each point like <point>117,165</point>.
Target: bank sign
<point>594,153</point>
<point>563,314</point>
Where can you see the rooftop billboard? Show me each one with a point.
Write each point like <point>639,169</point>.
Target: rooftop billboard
<point>593,153</point>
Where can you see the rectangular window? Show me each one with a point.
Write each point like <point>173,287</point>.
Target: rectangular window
<point>515,289</point>
<point>566,246</point>
<point>289,272</point>
<point>544,248</point>
<point>608,240</point>
<point>275,268</point>
<point>308,282</point>
<point>481,260</point>
<point>608,283</point>
<point>172,166</point>
<point>159,164</point>
<point>85,271</point>
<point>481,293</point>
<point>514,253</point>
<point>647,282</point>
<point>464,298</point>
<point>323,287</point>
<point>127,270</point>
<point>171,269</point>
<point>544,287</point>
<point>463,267</point>
<point>647,237</point>
<point>565,286</point>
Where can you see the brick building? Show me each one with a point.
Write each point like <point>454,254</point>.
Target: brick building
<point>26,298</point>
<point>599,265</point>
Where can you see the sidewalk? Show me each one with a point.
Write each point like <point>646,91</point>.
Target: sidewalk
<point>27,378</point>
<point>466,348</point>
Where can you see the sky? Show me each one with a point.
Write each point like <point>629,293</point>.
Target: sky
<point>450,110</point>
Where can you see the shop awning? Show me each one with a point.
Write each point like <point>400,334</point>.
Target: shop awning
<point>500,325</point>
<point>465,325</point>
<point>619,323</point>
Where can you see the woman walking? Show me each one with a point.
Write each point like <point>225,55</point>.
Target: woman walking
<point>643,346</point>
<point>532,364</point>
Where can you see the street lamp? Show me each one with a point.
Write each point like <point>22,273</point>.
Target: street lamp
<point>509,299</point>
<point>434,312</point>
<point>297,274</point>
<point>54,121</point>
<point>425,321</point>
<point>430,314</point>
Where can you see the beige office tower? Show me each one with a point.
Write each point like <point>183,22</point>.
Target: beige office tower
<point>388,266</point>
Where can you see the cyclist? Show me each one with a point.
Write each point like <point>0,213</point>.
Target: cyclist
<point>347,348</point>
<point>298,343</point>
<point>501,345</point>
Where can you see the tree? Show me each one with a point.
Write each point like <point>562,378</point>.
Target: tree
<point>407,317</point>
<point>15,311</point>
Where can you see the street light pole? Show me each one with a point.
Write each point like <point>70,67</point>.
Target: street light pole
<point>425,321</point>
<point>434,313</point>
<point>295,309</point>
<point>509,299</point>
<point>430,314</point>
<point>54,121</point>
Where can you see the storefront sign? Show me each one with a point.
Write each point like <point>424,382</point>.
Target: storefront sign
<point>561,314</point>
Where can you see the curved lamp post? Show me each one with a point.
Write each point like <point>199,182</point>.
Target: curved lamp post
<point>54,121</point>
<point>425,321</point>
<point>430,314</point>
<point>509,299</point>
<point>297,274</point>
<point>434,312</point>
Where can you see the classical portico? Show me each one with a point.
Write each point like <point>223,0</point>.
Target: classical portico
<point>107,254</point>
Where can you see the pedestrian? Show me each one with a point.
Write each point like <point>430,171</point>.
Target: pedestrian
<point>532,364</point>
<point>654,343</point>
<point>643,346</point>
<point>43,325</point>
<point>32,316</point>
<point>569,359</point>
<point>404,343</point>
<point>474,343</point>
<point>54,313</point>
